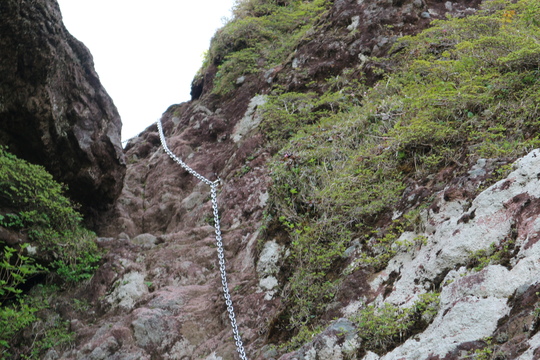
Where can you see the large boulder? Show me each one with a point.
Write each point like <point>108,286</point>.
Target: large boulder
<point>53,109</point>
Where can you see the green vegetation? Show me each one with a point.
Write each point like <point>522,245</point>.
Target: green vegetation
<point>464,89</point>
<point>485,353</point>
<point>56,245</point>
<point>48,330</point>
<point>286,112</point>
<point>261,35</point>
<point>304,336</point>
<point>383,327</point>
<point>39,208</point>
<point>496,254</point>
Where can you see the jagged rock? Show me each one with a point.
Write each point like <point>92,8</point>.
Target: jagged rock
<point>152,328</point>
<point>129,289</point>
<point>496,302</point>
<point>269,257</point>
<point>251,119</point>
<point>53,109</point>
<point>473,304</point>
<point>268,267</point>
<point>145,240</point>
<point>51,355</point>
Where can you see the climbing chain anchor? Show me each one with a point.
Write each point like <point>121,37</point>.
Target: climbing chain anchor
<point>219,242</point>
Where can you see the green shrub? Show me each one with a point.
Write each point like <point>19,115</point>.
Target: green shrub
<point>14,318</point>
<point>33,203</point>
<point>470,84</point>
<point>15,270</point>
<point>285,113</point>
<point>48,330</point>
<point>305,335</point>
<point>314,252</point>
<point>383,327</point>
<point>39,208</point>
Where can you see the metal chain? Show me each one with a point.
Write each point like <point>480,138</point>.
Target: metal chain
<point>131,138</point>
<point>219,242</point>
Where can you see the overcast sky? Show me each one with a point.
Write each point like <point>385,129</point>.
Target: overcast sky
<point>145,52</point>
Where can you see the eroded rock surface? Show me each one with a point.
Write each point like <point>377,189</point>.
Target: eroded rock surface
<point>53,109</point>
<point>158,294</point>
<point>474,304</point>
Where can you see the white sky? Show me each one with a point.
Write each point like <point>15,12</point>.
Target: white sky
<point>145,52</point>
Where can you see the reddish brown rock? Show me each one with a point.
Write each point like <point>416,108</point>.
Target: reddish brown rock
<point>53,109</point>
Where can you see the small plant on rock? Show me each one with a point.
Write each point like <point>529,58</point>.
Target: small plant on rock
<point>384,327</point>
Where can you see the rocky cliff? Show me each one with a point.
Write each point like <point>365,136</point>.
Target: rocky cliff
<point>53,109</point>
<point>378,193</point>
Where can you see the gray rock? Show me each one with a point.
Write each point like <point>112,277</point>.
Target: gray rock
<point>471,303</point>
<point>268,75</point>
<point>104,350</point>
<point>147,241</point>
<point>269,258</point>
<point>355,21</point>
<point>479,169</point>
<point>251,118</point>
<point>194,199</point>
<point>128,290</point>
<point>355,245</point>
<point>425,15</point>
<point>269,352</point>
<point>240,80</point>
<point>51,355</point>
<point>123,236</point>
<point>156,329</point>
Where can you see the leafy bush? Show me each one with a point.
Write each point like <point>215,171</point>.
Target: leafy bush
<point>15,270</point>
<point>31,202</point>
<point>47,331</point>
<point>14,318</point>
<point>38,207</point>
<point>383,327</point>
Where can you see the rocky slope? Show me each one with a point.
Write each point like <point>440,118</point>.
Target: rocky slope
<point>159,294</point>
<point>53,108</point>
<point>378,198</point>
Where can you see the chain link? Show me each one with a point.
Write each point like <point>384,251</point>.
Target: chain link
<point>219,242</point>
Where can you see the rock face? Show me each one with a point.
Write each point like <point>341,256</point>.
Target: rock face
<point>158,293</point>
<point>474,304</point>
<point>53,108</point>
<point>180,313</point>
<point>354,30</point>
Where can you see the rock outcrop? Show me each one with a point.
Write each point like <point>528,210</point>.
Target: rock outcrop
<point>495,304</point>
<point>459,280</point>
<point>167,301</point>
<point>53,109</point>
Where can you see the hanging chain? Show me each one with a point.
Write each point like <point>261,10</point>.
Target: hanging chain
<point>219,242</point>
